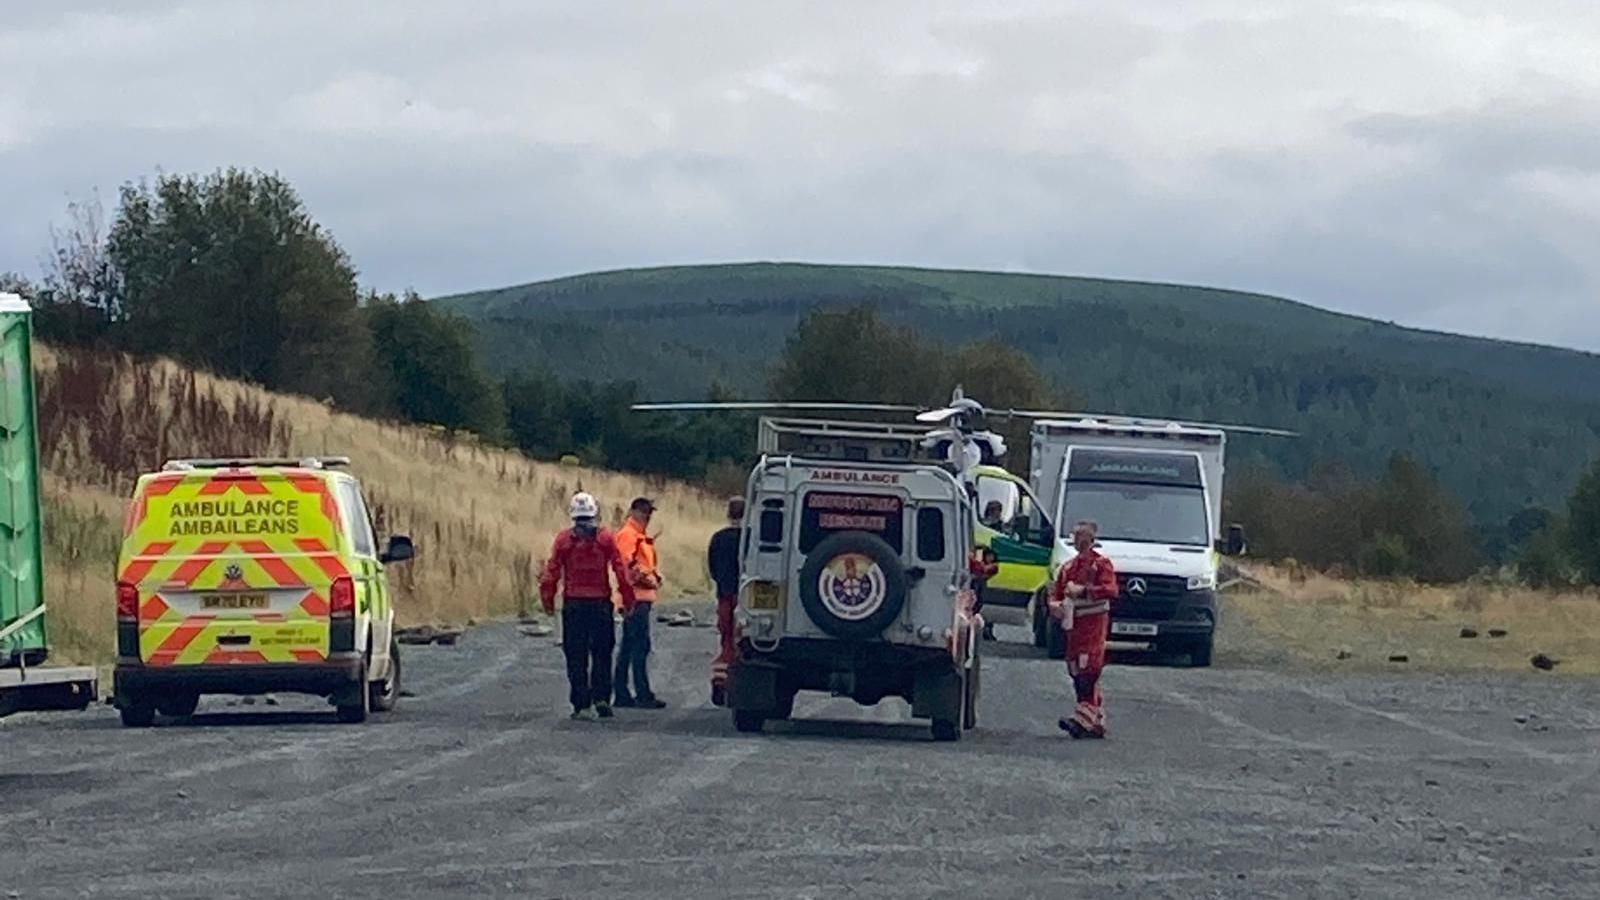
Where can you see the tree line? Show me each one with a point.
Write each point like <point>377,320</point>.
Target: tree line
<point>228,272</point>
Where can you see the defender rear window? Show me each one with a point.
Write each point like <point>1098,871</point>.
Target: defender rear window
<point>827,512</point>
<point>930,534</point>
<point>771,526</point>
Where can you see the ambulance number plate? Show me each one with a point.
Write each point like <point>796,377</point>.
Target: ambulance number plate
<point>1141,629</point>
<point>233,601</point>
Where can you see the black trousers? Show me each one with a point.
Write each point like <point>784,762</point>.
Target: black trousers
<point>587,638</point>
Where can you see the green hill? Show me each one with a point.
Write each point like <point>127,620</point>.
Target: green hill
<point>1504,424</point>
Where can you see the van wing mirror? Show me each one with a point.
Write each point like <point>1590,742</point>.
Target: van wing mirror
<point>1234,544</point>
<point>400,549</point>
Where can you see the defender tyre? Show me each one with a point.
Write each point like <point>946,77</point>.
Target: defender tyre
<point>1200,653</point>
<point>969,700</point>
<point>748,721</point>
<point>386,693</point>
<point>785,707</point>
<point>853,585</point>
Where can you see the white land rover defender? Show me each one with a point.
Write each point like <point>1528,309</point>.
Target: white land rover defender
<point>855,578</point>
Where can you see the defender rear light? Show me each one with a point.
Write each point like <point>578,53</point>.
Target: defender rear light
<point>342,597</point>
<point>127,601</point>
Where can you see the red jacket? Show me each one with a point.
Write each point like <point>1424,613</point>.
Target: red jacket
<point>1093,570</point>
<point>578,565</point>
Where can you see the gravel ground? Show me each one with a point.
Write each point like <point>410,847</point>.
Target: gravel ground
<point>1225,782</point>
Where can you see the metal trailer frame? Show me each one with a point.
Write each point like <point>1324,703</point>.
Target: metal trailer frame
<point>25,684</point>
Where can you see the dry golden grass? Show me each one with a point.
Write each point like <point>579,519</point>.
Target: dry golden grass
<point>1307,618</point>
<point>482,518</point>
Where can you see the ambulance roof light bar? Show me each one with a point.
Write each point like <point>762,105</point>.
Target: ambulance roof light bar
<point>305,462</point>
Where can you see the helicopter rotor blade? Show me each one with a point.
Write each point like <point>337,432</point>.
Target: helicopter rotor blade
<point>935,416</point>
<point>1144,420</point>
<point>708,406</point>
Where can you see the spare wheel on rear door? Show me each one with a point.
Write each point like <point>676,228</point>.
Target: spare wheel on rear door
<point>853,585</point>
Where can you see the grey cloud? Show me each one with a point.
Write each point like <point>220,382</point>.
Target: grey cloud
<point>1229,143</point>
<point>1499,138</point>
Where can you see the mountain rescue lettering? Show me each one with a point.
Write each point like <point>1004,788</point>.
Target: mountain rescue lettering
<point>235,517</point>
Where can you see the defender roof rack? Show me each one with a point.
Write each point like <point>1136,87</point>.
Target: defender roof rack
<point>268,462</point>
<point>844,441</point>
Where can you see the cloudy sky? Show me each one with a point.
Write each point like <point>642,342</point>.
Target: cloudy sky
<point>1433,162</point>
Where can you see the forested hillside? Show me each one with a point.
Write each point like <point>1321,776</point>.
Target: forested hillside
<point>1505,425</point>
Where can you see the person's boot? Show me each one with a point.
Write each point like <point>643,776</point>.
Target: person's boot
<point>1071,726</point>
<point>988,631</point>
<point>719,695</point>
<point>603,709</point>
<point>587,714</point>
<point>623,701</point>
<point>650,702</point>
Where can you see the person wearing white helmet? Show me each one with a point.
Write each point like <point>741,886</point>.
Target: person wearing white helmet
<point>582,563</point>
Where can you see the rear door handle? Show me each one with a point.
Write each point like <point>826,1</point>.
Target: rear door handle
<point>233,640</point>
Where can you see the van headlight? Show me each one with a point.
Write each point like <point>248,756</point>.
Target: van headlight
<point>1202,582</point>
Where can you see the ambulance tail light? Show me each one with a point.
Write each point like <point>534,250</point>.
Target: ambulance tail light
<point>342,597</point>
<point>127,601</point>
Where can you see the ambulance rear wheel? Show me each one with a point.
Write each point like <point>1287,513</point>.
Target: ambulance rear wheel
<point>138,713</point>
<point>386,693</point>
<point>178,706</point>
<point>355,713</point>
<point>946,730</point>
<point>748,721</point>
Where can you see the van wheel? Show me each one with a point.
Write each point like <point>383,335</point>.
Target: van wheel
<point>748,721</point>
<point>1200,654</point>
<point>178,706</point>
<point>356,713</point>
<point>946,730</point>
<point>386,693</point>
<point>136,713</point>
<point>1055,640</point>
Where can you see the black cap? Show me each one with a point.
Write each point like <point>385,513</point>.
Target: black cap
<point>642,504</point>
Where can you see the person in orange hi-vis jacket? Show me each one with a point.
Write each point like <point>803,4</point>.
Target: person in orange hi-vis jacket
<point>638,550</point>
<point>1081,602</point>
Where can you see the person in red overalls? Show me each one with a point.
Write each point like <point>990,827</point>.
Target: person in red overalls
<point>1081,602</point>
<point>582,563</point>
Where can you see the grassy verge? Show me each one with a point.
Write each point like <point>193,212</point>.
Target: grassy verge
<point>1310,620</point>
<point>482,518</point>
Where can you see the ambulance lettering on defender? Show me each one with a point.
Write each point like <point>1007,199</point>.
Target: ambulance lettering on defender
<point>849,477</point>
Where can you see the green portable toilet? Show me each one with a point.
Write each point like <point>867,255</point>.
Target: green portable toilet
<point>21,565</point>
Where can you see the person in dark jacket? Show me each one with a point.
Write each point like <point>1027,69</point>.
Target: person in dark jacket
<point>722,560</point>
<point>582,562</point>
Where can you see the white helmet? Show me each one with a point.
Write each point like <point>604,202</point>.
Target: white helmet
<point>583,506</point>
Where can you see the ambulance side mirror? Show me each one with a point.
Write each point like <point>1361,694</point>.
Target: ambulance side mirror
<point>400,549</point>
